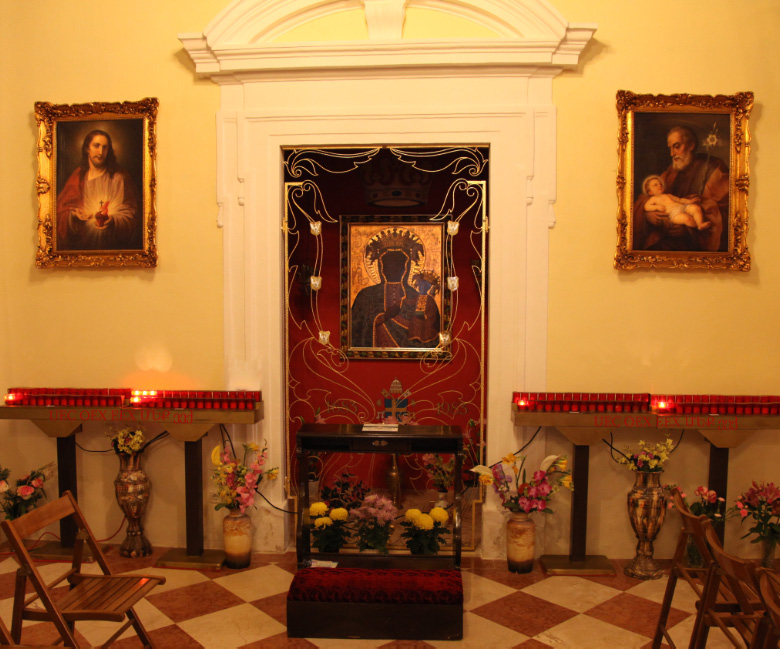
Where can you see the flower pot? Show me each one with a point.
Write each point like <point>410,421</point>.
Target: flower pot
<point>646,511</point>
<point>132,488</point>
<point>520,542</point>
<point>768,547</point>
<point>237,533</point>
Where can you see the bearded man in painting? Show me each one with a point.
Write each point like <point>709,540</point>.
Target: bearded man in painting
<point>697,176</point>
<point>98,208</point>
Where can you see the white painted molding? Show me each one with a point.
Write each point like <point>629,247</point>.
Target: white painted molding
<point>385,18</point>
<point>241,38</point>
<point>386,90</point>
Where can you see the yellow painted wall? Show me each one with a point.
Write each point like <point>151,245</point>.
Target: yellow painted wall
<point>160,327</point>
<point>641,331</point>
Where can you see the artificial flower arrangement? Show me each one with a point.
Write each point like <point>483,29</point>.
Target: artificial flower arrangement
<point>519,494</point>
<point>347,491</point>
<point>423,532</point>
<point>648,459</point>
<point>439,470</point>
<point>761,503</point>
<point>374,520</point>
<point>28,490</point>
<point>127,441</point>
<point>238,481</point>
<point>709,504</point>
<point>329,532</point>
<point>131,440</point>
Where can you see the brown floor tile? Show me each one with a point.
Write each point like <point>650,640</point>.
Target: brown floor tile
<point>167,636</point>
<point>275,606</point>
<point>44,633</point>
<point>192,601</point>
<point>214,573</point>
<point>497,571</point>
<point>524,613</point>
<point>634,614</point>
<point>532,644</point>
<point>619,580</point>
<point>280,640</point>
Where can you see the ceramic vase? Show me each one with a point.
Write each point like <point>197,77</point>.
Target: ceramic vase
<point>237,533</point>
<point>520,542</point>
<point>768,553</point>
<point>132,489</point>
<point>646,511</point>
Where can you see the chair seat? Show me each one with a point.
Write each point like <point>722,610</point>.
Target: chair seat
<point>105,597</point>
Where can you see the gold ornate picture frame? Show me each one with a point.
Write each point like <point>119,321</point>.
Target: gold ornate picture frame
<point>682,181</point>
<point>96,184</point>
<point>394,288</point>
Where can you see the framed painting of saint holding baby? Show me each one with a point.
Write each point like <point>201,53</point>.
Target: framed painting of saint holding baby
<point>683,181</point>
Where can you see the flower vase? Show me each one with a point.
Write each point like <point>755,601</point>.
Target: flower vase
<point>132,489</point>
<point>768,553</point>
<point>237,534</point>
<point>520,542</point>
<point>646,511</point>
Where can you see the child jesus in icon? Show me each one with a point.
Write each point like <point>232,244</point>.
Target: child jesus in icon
<point>684,211</point>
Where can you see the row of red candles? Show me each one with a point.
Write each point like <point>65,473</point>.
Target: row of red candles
<point>116,397</point>
<point>677,404</point>
<point>695,404</point>
<point>193,404</point>
<point>581,402</point>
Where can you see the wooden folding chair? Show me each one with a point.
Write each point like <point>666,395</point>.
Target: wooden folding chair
<point>104,597</point>
<point>769,583</point>
<point>747,616</point>
<point>693,529</point>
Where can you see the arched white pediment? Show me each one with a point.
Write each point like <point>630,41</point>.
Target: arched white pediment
<point>248,36</point>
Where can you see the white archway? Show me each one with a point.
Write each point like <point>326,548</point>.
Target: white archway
<point>385,89</point>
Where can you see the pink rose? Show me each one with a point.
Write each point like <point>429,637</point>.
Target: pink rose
<point>3,486</point>
<point>25,491</point>
<point>37,483</point>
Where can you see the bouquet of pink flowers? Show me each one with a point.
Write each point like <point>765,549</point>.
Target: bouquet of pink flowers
<point>762,503</point>
<point>21,498</point>
<point>237,481</point>
<point>374,520</point>
<point>519,494</point>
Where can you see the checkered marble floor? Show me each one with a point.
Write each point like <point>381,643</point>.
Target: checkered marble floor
<point>226,609</point>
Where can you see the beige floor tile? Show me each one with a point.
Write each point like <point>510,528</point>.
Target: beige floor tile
<point>479,633</point>
<point>585,632</point>
<point>478,590</point>
<point>98,632</point>
<point>232,627</point>
<point>681,634</point>
<point>8,565</point>
<point>572,592</point>
<point>653,589</point>
<point>173,578</point>
<point>258,583</point>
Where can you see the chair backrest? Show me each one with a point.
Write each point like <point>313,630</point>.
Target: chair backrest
<point>769,583</point>
<point>65,506</point>
<point>742,579</point>
<point>695,527</point>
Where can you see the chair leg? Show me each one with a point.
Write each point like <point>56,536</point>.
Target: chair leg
<point>666,606</point>
<point>143,636</point>
<point>708,596</point>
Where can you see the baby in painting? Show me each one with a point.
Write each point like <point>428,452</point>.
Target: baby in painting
<point>684,211</point>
